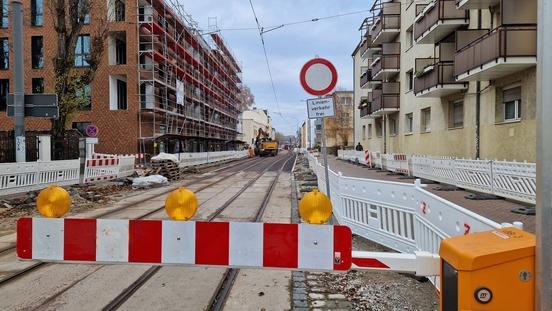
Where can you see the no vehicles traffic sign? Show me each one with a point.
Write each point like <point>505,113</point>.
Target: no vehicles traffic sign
<point>318,77</point>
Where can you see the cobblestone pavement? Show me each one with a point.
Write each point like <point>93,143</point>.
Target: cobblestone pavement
<point>354,290</point>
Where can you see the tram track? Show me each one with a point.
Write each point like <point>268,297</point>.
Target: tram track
<point>224,286</point>
<point>234,169</point>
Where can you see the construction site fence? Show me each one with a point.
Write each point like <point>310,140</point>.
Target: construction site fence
<point>189,159</point>
<point>401,216</point>
<point>508,179</point>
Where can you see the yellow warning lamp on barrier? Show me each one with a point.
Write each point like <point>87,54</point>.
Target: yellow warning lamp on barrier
<point>315,208</point>
<point>53,202</point>
<point>181,204</point>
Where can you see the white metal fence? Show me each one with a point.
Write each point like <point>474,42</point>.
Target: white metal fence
<point>401,216</point>
<point>513,180</point>
<point>29,176</point>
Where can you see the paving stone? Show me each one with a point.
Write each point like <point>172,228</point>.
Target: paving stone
<point>301,290</point>
<point>318,303</point>
<point>299,284</point>
<point>336,296</point>
<point>300,309</point>
<point>312,277</point>
<point>312,283</point>
<point>299,296</point>
<point>316,296</point>
<point>299,278</point>
<point>300,303</point>
<point>318,290</point>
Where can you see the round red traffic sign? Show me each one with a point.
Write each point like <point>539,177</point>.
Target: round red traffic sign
<point>318,77</point>
<point>91,130</point>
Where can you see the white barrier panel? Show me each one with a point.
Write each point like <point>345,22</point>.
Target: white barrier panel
<point>512,180</point>
<point>29,176</point>
<point>101,169</point>
<point>401,216</point>
<point>126,166</point>
<point>200,158</point>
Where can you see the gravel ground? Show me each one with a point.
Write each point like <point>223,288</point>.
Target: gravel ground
<point>356,290</point>
<point>84,198</point>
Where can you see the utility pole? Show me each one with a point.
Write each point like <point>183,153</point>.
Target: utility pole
<point>19,83</point>
<point>543,275</point>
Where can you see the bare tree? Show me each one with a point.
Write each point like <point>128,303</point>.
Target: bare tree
<point>247,99</point>
<point>69,17</point>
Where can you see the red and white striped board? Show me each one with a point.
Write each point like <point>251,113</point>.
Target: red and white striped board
<point>101,169</point>
<point>164,242</point>
<point>419,263</point>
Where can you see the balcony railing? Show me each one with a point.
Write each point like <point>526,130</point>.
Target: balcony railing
<point>365,78</point>
<point>389,19</point>
<point>365,111</point>
<point>386,98</point>
<point>476,4</point>
<point>501,43</point>
<point>439,12</point>
<point>433,73</point>
<point>389,61</point>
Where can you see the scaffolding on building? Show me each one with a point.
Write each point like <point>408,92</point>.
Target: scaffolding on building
<point>189,84</point>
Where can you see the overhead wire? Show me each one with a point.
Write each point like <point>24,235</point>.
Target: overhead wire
<point>260,29</point>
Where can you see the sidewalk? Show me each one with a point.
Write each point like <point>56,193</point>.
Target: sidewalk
<point>496,210</point>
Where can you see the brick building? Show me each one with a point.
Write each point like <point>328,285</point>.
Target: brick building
<point>161,85</point>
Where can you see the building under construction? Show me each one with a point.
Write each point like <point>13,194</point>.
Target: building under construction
<point>164,85</point>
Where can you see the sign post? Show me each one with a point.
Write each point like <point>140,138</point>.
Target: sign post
<point>318,77</point>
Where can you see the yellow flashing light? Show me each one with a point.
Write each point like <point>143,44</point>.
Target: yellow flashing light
<point>181,204</point>
<point>315,207</point>
<point>53,202</point>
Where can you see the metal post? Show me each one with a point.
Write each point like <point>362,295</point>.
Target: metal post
<point>19,93</point>
<point>543,275</point>
<point>325,155</point>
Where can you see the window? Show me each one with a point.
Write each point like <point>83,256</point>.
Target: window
<point>379,128</point>
<point>409,80</point>
<point>409,120</point>
<point>4,91</point>
<point>4,54</point>
<point>119,11</point>
<point>82,51</point>
<point>456,114</point>
<point>120,52</point>
<point>85,92</point>
<point>364,132</point>
<point>82,8</point>
<point>37,52</point>
<point>4,6</point>
<point>426,120</point>
<point>511,98</point>
<point>121,95</point>
<point>392,126</point>
<point>409,37</point>
<point>37,18</point>
<point>369,130</point>
<point>38,85</point>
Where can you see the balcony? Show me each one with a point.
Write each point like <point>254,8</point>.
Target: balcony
<point>368,48</point>
<point>365,78</point>
<point>437,20</point>
<point>498,53</point>
<point>388,24</point>
<point>387,64</point>
<point>435,78</point>
<point>366,106</point>
<point>476,4</point>
<point>386,99</point>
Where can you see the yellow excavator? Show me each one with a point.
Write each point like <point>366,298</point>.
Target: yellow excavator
<point>264,145</point>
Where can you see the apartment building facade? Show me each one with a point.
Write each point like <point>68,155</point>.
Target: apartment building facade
<point>161,85</point>
<point>448,78</point>
<point>339,128</point>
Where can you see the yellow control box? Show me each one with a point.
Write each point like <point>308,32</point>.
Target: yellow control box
<point>492,270</point>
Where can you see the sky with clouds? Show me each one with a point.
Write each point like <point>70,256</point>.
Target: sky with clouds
<point>288,48</point>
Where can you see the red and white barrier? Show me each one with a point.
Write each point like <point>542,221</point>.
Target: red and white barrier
<point>419,263</point>
<point>101,169</point>
<point>237,244</point>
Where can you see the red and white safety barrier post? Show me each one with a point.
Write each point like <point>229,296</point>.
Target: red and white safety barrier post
<point>419,263</point>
